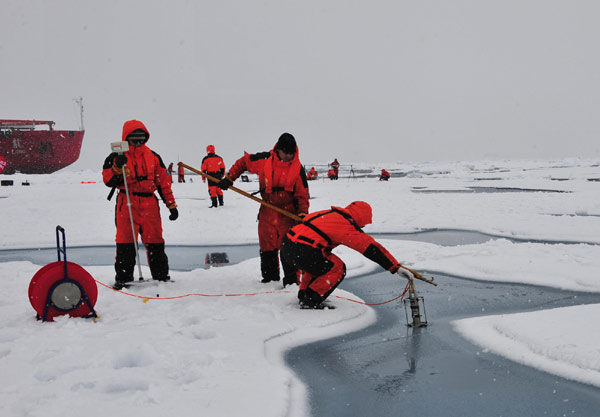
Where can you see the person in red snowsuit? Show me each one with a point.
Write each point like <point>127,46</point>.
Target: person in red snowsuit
<point>145,173</point>
<point>384,175</point>
<point>312,174</point>
<point>213,165</point>
<point>180,174</point>
<point>308,247</point>
<point>282,182</point>
<point>335,165</point>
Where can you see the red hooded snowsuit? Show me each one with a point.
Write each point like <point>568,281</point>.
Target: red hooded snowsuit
<point>335,165</point>
<point>284,185</point>
<point>213,165</point>
<point>384,175</point>
<point>145,174</point>
<point>180,174</point>
<point>308,247</point>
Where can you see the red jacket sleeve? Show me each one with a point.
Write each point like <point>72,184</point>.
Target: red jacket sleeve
<point>239,167</point>
<point>369,247</point>
<point>301,192</point>
<point>163,182</point>
<point>223,168</point>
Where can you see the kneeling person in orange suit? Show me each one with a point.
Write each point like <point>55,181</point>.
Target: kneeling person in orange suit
<point>308,247</point>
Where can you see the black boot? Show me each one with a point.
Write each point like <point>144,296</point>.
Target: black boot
<point>214,202</point>
<point>220,200</point>
<point>311,299</point>
<point>290,273</point>
<point>124,264</point>
<point>269,266</point>
<point>158,261</point>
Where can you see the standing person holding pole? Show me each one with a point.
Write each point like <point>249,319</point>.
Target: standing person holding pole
<point>138,173</point>
<point>283,184</point>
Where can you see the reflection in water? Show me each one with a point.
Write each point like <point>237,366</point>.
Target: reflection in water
<point>412,352</point>
<point>216,258</point>
<point>394,384</point>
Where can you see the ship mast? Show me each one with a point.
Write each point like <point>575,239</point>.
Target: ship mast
<point>79,101</point>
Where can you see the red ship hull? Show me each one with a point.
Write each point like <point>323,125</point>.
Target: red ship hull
<point>39,151</point>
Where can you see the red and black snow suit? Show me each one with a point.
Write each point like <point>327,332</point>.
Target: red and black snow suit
<point>384,175</point>
<point>213,165</point>
<point>308,247</point>
<point>180,174</point>
<point>284,185</point>
<point>335,165</point>
<point>145,174</point>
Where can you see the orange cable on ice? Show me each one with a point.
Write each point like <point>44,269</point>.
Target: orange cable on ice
<point>146,298</point>
<point>401,296</point>
<point>190,295</point>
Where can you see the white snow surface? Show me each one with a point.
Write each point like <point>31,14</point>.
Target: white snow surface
<point>223,355</point>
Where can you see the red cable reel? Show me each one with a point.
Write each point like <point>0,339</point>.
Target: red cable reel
<point>63,288</point>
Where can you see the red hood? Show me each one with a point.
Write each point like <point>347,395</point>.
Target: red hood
<point>210,149</point>
<point>361,212</point>
<point>131,125</point>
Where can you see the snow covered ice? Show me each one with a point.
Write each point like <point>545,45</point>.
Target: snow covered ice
<point>223,355</point>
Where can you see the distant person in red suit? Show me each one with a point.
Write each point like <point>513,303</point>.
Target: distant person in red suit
<point>181,175</point>
<point>312,174</point>
<point>384,175</point>
<point>335,165</point>
<point>331,174</point>
<point>213,165</point>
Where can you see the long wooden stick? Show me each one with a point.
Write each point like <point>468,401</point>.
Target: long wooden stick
<point>418,276</point>
<point>245,194</point>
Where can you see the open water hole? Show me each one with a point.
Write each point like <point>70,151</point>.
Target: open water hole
<point>391,369</point>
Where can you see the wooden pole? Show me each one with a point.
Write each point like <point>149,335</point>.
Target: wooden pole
<point>417,275</point>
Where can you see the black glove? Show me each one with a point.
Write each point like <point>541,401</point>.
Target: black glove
<point>225,183</point>
<point>120,160</point>
<point>174,214</point>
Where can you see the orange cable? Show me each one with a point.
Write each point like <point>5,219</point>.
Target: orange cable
<point>246,294</point>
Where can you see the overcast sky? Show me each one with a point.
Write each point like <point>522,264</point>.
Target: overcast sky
<point>363,81</point>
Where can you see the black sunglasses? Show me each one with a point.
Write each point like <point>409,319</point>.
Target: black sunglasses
<point>139,141</point>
